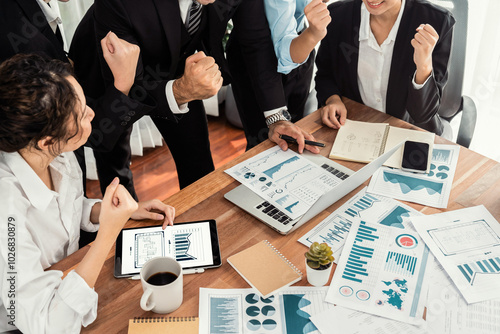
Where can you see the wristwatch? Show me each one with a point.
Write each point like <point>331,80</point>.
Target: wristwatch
<point>282,115</point>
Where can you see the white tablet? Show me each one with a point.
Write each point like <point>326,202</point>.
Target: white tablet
<point>193,244</point>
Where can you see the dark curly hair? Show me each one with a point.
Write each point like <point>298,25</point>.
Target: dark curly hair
<point>36,101</point>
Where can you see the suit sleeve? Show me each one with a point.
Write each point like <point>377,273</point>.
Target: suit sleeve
<point>254,39</point>
<point>110,15</point>
<point>325,81</point>
<point>422,104</point>
<point>114,111</point>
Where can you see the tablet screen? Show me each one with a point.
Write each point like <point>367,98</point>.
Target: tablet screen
<point>194,245</point>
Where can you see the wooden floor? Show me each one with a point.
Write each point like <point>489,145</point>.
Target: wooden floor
<point>154,173</point>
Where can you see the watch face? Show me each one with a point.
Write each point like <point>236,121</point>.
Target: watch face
<point>286,114</point>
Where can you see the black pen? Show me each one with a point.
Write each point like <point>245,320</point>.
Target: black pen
<point>308,142</point>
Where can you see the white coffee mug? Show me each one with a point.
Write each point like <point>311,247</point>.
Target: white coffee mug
<point>159,296</point>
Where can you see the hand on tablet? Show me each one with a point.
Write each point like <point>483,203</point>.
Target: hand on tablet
<point>148,210</point>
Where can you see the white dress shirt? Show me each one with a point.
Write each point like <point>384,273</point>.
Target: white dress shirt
<point>53,16</point>
<point>47,229</point>
<point>374,62</point>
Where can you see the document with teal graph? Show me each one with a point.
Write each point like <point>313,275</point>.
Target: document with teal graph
<point>243,311</point>
<point>381,271</point>
<point>467,244</point>
<point>370,208</point>
<point>289,181</point>
<point>432,189</point>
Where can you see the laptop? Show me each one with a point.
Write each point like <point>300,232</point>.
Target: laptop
<point>267,213</point>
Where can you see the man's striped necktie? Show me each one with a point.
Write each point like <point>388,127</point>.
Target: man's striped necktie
<point>194,18</point>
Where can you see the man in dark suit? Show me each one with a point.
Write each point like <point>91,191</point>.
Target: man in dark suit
<point>412,101</point>
<point>167,67</point>
<point>25,29</point>
<point>166,54</point>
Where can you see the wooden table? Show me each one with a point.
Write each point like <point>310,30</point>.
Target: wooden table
<point>477,181</point>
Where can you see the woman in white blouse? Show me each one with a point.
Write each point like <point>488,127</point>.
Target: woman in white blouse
<point>391,55</point>
<point>43,118</point>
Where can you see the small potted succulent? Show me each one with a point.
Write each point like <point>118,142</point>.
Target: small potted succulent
<point>319,261</point>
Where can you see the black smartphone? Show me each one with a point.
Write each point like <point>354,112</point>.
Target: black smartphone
<point>415,157</point>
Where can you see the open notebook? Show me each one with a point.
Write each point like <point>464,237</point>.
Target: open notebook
<point>364,142</point>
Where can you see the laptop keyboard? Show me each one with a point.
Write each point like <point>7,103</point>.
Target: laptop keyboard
<point>280,216</point>
<point>334,171</point>
<point>274,212</point>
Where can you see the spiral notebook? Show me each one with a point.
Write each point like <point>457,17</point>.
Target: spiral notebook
<point>265,268</point>
<point>160,325</point>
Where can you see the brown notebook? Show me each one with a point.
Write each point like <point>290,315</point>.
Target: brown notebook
<point>264,268</point>
<point>161,325</point>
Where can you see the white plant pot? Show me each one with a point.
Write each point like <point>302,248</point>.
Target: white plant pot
<point>318,277</point>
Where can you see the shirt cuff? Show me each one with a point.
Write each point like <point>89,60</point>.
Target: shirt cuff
<point>419,86</point>
<point>285,62</point>
<point>82,299</point>
<point>172,103</point>
<point>86,224</point>
<point>273,111</point>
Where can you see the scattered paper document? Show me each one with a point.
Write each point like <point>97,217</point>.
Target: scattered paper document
<point>242,311</point>
<point>345,321</point>
<point>381,271</point>
<point>289,181</point>
<point>431,189</point>
<point>467,244</point>
<point>370,208</point>
<point>448,312</point>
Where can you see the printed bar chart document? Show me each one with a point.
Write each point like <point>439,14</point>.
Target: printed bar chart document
<point>381,271</point>
<point>449,313</point>
<point>370,208</point>
<point>467,244</point>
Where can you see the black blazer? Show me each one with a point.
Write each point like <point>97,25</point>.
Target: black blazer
<point>24,29</point>
<point>337,61</point>
<point>157,27</point>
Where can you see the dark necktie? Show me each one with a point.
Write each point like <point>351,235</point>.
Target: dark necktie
<point>194,18</point>
<point>58,31</point>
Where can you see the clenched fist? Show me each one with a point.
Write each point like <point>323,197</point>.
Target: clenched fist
<point>121,57</point>
<point>424,42</point>
<point>318,17</point>
<point>201,79</point>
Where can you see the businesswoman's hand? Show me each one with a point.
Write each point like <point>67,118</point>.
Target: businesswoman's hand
<point>292,130</point>
<point>145,211</point>
<point>424,42</point>
<point>334,113</point>
<point>116,209</point>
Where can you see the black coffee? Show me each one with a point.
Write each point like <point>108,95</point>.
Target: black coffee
<point>162,278</point>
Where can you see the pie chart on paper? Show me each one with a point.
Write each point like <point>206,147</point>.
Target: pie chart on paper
<point>406,241</point>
